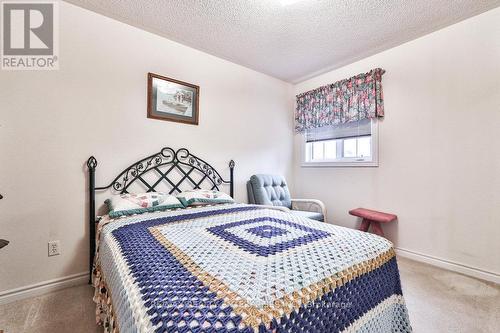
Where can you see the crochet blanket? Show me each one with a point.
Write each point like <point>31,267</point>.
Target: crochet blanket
<point>241,268</point>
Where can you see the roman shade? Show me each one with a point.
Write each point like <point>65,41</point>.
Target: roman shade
<point>341,131</point>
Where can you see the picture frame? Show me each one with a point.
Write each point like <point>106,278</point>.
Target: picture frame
<point>172,100</point>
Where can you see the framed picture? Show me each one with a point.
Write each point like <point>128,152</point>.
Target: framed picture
<point>172,100</point>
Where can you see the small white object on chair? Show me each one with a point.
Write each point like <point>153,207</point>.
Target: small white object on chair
<point>282,208</point>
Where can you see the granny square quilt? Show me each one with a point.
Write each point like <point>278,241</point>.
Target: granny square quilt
<point>242,268</point>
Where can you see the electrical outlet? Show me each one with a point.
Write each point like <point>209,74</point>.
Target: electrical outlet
<point>54,248</point>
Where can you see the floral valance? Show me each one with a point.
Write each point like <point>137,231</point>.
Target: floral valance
<point>353,99</point>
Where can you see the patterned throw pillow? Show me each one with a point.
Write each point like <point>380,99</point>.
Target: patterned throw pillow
<point>131,203</point>
<point>203,197</point>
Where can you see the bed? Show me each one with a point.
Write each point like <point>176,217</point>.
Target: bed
<point>235,267</point>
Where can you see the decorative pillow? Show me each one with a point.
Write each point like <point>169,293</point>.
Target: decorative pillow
<point>203,197</point>
<point>130,203</point>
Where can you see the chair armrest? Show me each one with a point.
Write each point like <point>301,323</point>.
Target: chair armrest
<point>309,205</point>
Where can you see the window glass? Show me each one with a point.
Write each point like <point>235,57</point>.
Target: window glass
<point>330,149</point>
<point>350,148</point>
<point>364,146</point>
<point>317,150</point>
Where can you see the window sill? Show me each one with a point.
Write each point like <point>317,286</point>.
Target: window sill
<point>372,164</point>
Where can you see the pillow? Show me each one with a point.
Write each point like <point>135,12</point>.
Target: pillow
<point>130,203</point>
<point>203,197</point>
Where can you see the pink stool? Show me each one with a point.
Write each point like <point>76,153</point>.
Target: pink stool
<point>373,218</point>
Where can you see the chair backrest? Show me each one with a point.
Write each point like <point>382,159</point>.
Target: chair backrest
<point>269,190</point>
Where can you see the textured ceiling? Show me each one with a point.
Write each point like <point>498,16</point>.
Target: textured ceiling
<point>291,42</point>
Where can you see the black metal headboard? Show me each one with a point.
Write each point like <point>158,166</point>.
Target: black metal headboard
<point>158,170</point>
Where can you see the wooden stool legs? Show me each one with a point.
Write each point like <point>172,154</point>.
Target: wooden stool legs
<point>365,225</point>
<point>376,227</point>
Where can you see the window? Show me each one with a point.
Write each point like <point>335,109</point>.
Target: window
<point>350,144</point>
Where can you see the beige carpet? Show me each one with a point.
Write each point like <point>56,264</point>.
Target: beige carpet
<point>442,301</point>
<point>438,301</point>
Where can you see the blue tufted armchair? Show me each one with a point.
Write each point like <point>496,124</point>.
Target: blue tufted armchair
<point>272,190</point>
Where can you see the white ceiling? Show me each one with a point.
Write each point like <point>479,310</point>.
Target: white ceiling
<point>295,41</point>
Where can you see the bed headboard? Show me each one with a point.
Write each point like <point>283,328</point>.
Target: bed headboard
<point>168,170</point>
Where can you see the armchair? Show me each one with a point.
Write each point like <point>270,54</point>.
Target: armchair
<point>272,191</point>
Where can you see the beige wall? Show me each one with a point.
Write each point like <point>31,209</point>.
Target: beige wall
<point>51,122</point>
<point>439,156</point>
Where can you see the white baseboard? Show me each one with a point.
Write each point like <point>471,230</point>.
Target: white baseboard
<point>449,265</point>
<point>44,287</point>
